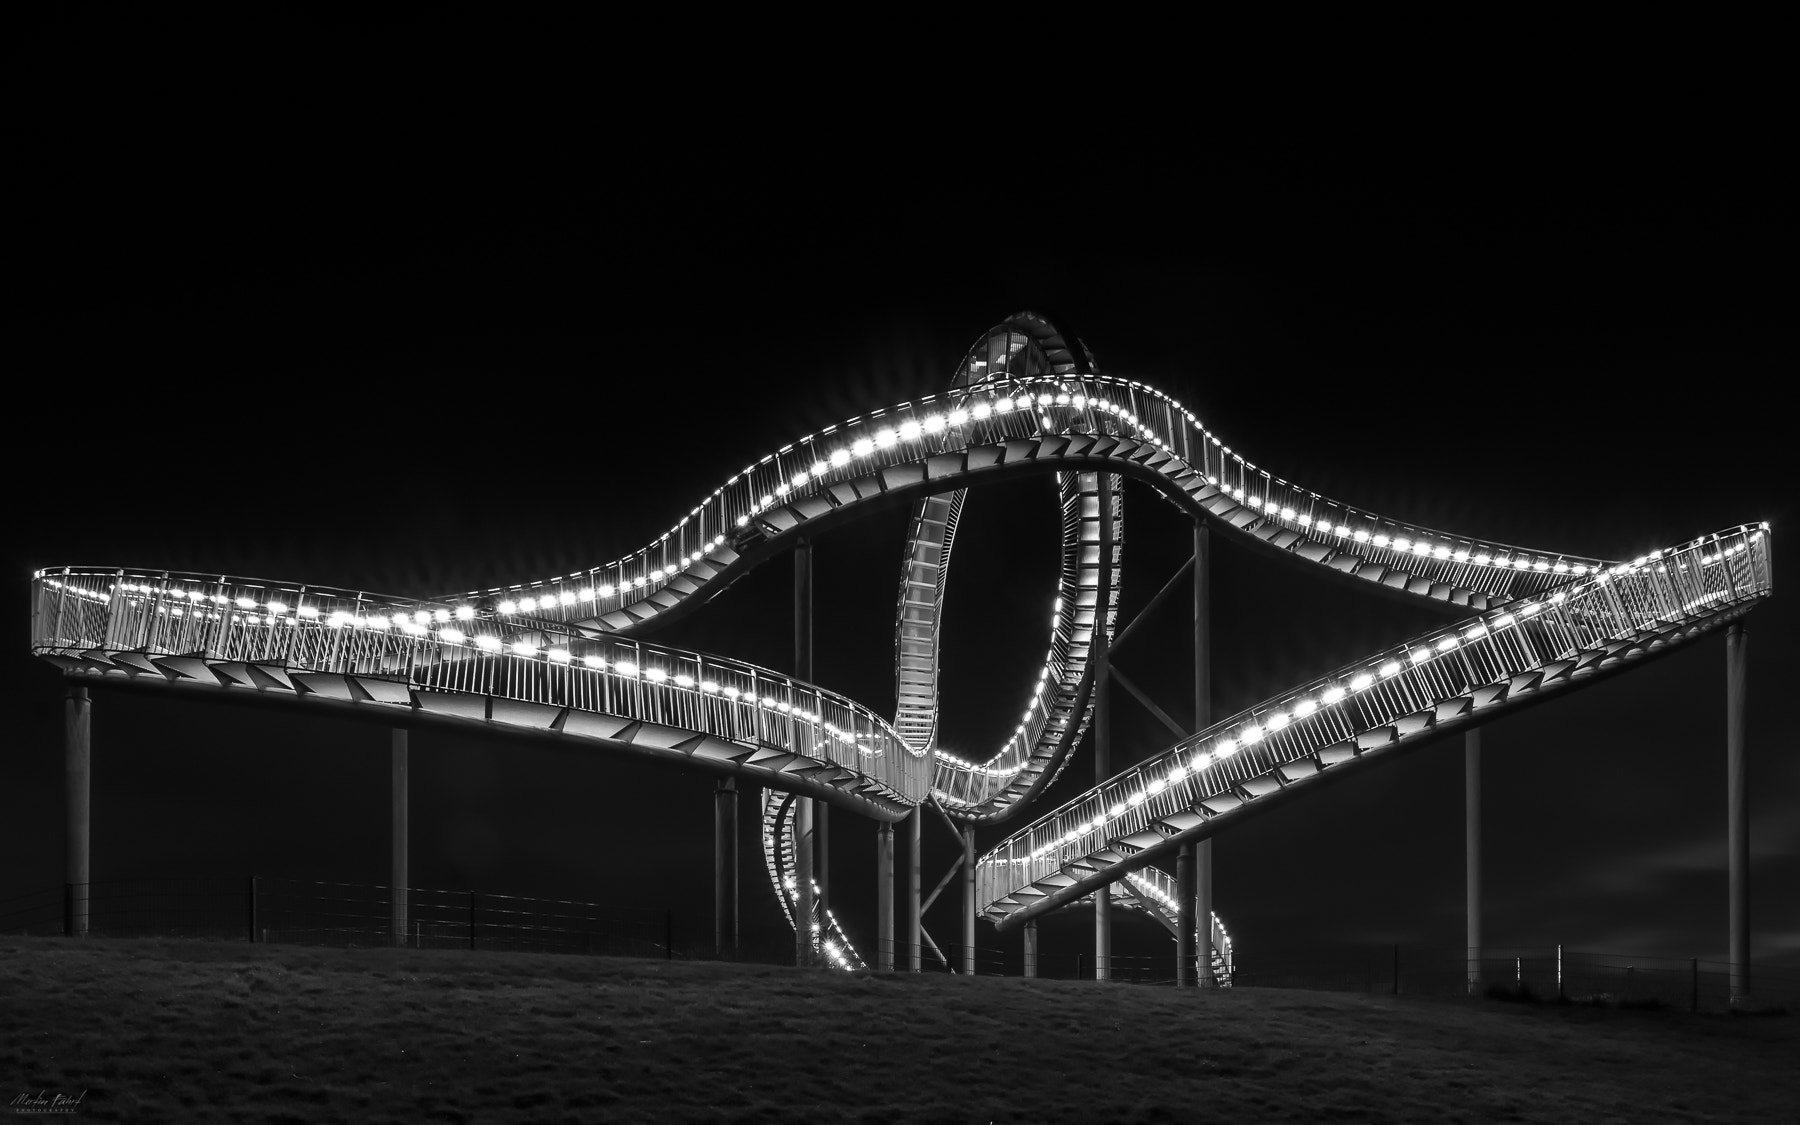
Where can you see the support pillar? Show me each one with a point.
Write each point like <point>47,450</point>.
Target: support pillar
<point>914,930</point>
<point>1031,948</point>
<point>77,780</point>
<point>806,942</point>
<point>1185,927</point>
<point>398,874</point>
<point>884,898</point>
<point>1472,851</point>
<point>725,870</point>
<point>1202,885</point>
<point>1102,657</point>
<point>1737,819</point>
<point>968,901</point>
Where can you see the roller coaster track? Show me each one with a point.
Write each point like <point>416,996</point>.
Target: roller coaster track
<point>562,658</point>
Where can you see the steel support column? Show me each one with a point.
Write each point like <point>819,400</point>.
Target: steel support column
<point>1103,715</point>
<point>1472,851</point>
<point>1737,818</point>
<point>1201,887</point>
<point>968,901</point>
<point>725,869</point>
<point>1031,948</point>
<point>805,940</point>
<point>77,781</point>
<point>1184,917</point>
<point>399,876</point>
<point>915,954</point>
<point>884,898</point>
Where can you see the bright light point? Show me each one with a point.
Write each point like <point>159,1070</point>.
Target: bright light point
<point>1305,707</point>
<point>1225,748</point>
<point>1400,544</point>
<point>799,480</point>
<point>1361,536</point>
<point>524,648</point>
<point>1254,501</point>
<point>508,607</point>
<point>1176,774</point>
<point>246,603</point>
<point>1446,644</point>
<point>560,655</point>
<point>934,423</point>
<point>1425,549</point>
<point>1250,735</point>
<point>981,411</point>
<point>1003,404</point>
<point>1023,402</point>
<point>378,622</point>
<point>1503,621</point>
<point>491,644</point>
<point>656,576</point>
<point>1333,694</point>
<point>568,598</point>
<point>655,675</point>
<point>526,605</point>
<point>1278,720</point>
<point>638,582</point>
<point>709,686</point>
<point>840,458</point>
<point>607,590</point>
<point>1390,668</point>
<point>1460,556</point>
<point>1419,655</point>
<point>308,611</point>
<point>1116,811</point>
<point>742,520</point>
<point>278,607</point>
<point>452,636</point>
<point>909,430</point>
<point>625,668</point>
<point>958,417</point>
<point>780,490</point>
<point>861,447</point>
<point>885,438</point>
<point>1381,540</point>
<point>1287,513</point>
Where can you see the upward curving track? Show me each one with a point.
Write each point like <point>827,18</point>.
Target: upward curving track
<point>563,657</point>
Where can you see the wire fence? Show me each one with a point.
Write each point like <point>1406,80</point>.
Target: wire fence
<point>350,915</point>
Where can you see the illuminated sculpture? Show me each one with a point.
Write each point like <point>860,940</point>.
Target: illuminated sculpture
<point>560,657</point>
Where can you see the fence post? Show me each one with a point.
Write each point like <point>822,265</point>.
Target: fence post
<point>1693,984</point>
<point>250,909</point>
<point>471,919</point>
<point>1559,972</point>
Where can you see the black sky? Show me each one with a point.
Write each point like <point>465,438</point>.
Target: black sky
<point>379,306</point>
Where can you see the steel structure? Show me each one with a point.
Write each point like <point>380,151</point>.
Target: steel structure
<point>562,657</point>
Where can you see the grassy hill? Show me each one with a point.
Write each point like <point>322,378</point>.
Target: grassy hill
<point>197,1031</point>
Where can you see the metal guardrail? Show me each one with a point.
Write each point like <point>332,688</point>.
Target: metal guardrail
<point>1393,694</point>
<point>288,630</point>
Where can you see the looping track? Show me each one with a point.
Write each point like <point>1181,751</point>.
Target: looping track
<point>561,657</point>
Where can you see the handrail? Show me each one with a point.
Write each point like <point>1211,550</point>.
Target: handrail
<point>1343,712</point>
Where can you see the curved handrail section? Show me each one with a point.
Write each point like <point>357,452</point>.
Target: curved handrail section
<point>354,647</point>
<point>1406,693</point>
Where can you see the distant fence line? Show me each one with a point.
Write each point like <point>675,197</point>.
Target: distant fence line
<point>316,912</point>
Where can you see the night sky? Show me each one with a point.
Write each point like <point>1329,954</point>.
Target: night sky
<point>335,303</point>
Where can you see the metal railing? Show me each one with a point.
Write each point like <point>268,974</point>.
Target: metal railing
<point>142,621</point>
<point>1393,694</point>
